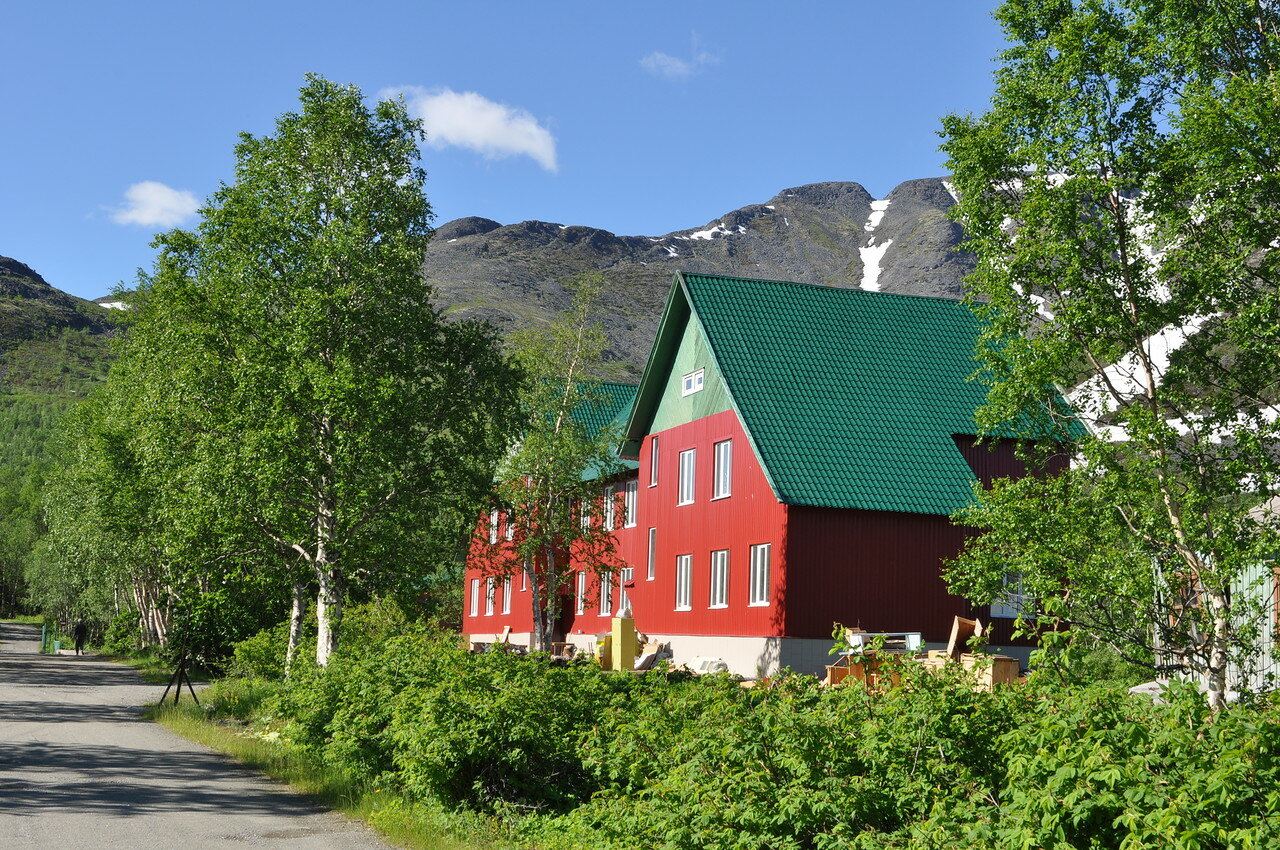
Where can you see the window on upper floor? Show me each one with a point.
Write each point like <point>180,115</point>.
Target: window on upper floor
<point>509,530</point>
<point>719,579</point>
<point>610,507</point>
<point>630,503</point>
<point>684,583</point>
<point>759,578</point>
<point>692,382</point>
<point>688,460</point>
<point>493,526</point>
<point>586,515</point>
<point>506,595</point>
<point>722,477</point>
<point>653,461</point>
<point>581,604</point>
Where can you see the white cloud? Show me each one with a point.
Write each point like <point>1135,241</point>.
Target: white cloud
<point>152,204</point>
<point>670,67</point>
<point>472,121</point>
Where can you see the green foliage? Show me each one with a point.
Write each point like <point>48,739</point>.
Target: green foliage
<point>550,479</point>
<point>569,756</point>
<point>288,406</point>
<point>1122,197</point>
<point>262,655</point>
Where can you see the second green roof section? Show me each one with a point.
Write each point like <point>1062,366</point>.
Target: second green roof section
<point>850,398</point>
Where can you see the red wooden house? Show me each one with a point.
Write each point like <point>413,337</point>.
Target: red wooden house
<point>800,449</point>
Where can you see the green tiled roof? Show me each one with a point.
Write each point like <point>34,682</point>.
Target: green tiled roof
<point>613,408</point>
<point>849,397</point>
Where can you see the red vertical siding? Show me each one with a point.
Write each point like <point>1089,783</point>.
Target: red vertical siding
<point>989,460</point>
<point>751,515</point>
<point>992,459</point>
<point>874,569</point>
<point>521,617</point>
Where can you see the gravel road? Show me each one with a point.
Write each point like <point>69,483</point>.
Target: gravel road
<point>81,768</point>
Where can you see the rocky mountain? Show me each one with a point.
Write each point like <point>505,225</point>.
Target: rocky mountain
<point>828,233</point>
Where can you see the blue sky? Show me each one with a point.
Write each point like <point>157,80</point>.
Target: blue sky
<point>639,118</point>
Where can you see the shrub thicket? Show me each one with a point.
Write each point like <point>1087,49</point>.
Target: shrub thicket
<point>571,756</point>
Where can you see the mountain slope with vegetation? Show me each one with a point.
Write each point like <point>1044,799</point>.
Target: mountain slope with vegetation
<point>53,349</point>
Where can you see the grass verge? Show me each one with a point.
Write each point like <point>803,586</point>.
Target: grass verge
<point>402,822</point>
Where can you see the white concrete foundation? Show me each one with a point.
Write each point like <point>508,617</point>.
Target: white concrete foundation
<point>749,657</point>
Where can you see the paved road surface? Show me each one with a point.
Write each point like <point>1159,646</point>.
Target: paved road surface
<point>80,768</point>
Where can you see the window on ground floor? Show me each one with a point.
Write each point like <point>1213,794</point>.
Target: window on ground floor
<point>606,594</point>
<point>719,579</point>
<point>653,555</point>
<point>684,583</point>
<point>759,579</point>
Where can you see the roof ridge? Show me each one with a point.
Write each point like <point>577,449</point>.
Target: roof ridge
<point>800,283</point>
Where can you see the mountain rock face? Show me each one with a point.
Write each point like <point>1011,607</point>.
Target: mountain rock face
<point>826,233</point>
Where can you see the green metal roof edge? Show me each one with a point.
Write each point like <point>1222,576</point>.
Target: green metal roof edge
<point>728,388</point>
<point>642,408</point>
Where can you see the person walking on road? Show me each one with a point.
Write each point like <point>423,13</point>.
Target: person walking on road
<point>79,633</point>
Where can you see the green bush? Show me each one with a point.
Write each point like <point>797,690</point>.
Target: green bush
<point>572,756</point>
<point>261,656</point>
<point>501,729</point>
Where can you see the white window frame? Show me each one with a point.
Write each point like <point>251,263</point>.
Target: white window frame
<point>625,575</point>
<point>489,585</point>
<point>654,455</point>
<point>610,508</point>
<point>1014,601</point>
<point>586,514</point>
<point>722,475</point>
<point>761,557</point>
<point>684,582</point>
<point>606,594</point>
<point>652,567</point>
<point>524,576</point>
<point>688,483</point>
<point>630,503</point>
<point>692,382</point>
<point>581,605</point>
<point>493,526</point>
<point>719,594</point>
<point>509,530</point>
<point>475,597</point>
<point>506,595</point>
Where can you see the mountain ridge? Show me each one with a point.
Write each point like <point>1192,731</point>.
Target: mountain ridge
<point>832,233</point>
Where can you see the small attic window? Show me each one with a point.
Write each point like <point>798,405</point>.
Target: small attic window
<point>691,383</point>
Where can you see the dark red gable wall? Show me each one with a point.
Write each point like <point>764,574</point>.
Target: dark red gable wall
<point>751,515</point>
<point>992,459</point>
<point>875,569</point>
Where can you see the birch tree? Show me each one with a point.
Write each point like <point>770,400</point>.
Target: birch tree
<point>1122,195</point>
<point>321,404</point>
<point>549,484</point>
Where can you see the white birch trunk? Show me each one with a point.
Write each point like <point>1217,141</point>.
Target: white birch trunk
<point>296,615</point>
